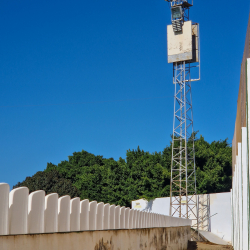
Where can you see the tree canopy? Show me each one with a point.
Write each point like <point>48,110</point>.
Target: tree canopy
<point>140,175</point>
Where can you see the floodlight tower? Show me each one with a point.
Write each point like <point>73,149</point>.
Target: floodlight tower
<point>183,52</point>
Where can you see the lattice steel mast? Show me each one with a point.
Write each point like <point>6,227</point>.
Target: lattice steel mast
<point>183,52</point>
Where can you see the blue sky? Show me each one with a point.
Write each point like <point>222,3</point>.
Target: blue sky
<point>93,75</point>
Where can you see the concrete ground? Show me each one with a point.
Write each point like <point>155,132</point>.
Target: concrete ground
<point>210,237</point>
<point>194,245</point>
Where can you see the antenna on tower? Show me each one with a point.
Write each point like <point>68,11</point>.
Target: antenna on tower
<point>184,53</point>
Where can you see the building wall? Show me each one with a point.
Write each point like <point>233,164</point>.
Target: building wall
<point>241,103</point>
<point>240,188</point>
<point>150,239</point>
<point>240,156</point>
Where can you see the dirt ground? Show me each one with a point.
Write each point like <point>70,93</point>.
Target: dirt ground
<point>193,245</point>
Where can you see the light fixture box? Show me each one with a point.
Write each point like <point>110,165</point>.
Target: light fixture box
<point>176,12</point>
<point>183,45</point>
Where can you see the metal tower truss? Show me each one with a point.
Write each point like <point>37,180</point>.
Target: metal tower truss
<point>183,178</point>
<point>204,212</point>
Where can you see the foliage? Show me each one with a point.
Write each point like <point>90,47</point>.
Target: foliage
<point>50,182</point>
<point>141,175</point>
<point>214,166</point>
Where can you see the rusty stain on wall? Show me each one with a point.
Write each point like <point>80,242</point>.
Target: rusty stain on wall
<point>175,238</point>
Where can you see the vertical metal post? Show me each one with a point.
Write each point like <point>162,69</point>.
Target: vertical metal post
<point>204,212</point>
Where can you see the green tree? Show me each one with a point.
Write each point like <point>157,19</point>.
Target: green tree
<point>214,166</point>
<point>149,178</point>
<point>141,175</point>
<point>50,182</point>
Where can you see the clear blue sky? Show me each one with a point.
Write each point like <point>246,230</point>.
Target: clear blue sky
<point>93,75</point>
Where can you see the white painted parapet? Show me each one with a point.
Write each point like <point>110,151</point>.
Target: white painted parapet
<point>75,214</point>
<point>138,219</point>
<point>106,217</point>
<point>4,208</point>
<point>136,222</point>
<point>51,213</point>
<point>84,215</point>
<point>36,207</point>
<point>165,221</point>
<point>21,213</point>
<point>162,220</point>
<point>64,214</point>
<point>149,224</point>
<point>92,215</point>
<point>18,211</point>
<point>117,217</point>
<point>156,220</point>
<point>122,218</point>
<point>127,217</point>
<point>135,219</point>
<point>112,217</point>
<point>139,215</point>
<point>131,218</point>
<point>147,219</point>
<point>99,216</point>
<point>151,220</point>
<point>144,220</point>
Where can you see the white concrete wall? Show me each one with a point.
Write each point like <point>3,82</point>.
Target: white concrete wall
<point>117,216</point>
<point>35,213</point>
<point>112,217</point>
<point>4,208</point>
<point>122,217</point>
<point>84,215</point>
<point>51,213</point>
<point>36,208</point>
<point>75,214</point>
<point>99,216</point>
<point>135,219</point>
<point>127,213</point>
<point>64,214</point>
<point>131,218</point>
<point>240,199</point>
<point>220,210</point>
<point>106,219</point>
<point>18,211</point>
<point>240,195</point>
<point>245,188</point>
<point>92,215</point>
<point>221,221</point>
<point>139,219</point>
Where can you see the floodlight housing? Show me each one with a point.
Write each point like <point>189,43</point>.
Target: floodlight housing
<point>177,18</point>
<point>176,12</point>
